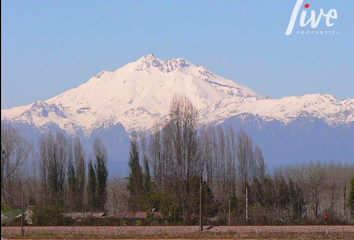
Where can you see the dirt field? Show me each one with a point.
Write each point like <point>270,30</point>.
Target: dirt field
<point>184,232</point>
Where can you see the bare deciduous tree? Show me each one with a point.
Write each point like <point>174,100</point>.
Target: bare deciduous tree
<point>245,157</point>
<point>117,196</point>
<point>14,152</point>
<point>184,164</point>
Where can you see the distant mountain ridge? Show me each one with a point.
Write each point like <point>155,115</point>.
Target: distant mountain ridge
<point>138,95</point>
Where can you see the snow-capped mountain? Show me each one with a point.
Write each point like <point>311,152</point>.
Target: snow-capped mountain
<point>287,109</point>
<point>138,95</point>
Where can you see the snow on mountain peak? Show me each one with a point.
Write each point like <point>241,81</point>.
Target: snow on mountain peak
<point>139,94</point>
<point>150,62</point>
<point>287,109</point>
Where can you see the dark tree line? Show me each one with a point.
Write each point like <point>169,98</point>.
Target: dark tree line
<point>234,171</point>
<point>55,175</point>
<point>63,173</point>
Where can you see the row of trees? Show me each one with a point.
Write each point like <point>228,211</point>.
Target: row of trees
<point>59,174</point>
<point>234,173</point>
<point>165,170</point>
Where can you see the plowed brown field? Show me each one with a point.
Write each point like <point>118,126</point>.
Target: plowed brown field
<point>184,232</point>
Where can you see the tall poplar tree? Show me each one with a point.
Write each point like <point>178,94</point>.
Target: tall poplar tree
<point>80,166</point>
<point>91,188</point>
<point>136,179</point>
<point>100,153</point>
<point>147,177</point>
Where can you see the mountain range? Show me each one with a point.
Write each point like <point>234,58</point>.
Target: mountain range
<point>136,96</point>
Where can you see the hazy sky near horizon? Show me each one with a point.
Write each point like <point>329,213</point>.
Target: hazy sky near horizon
<point>48,47</point>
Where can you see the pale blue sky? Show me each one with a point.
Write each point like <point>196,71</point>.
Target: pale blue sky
<point>48,47</point>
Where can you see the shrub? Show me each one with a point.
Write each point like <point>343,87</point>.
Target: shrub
<point>50,216</point>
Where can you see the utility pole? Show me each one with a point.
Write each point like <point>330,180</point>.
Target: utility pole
<point>22,210</point>
<point>246,202</point>
<point>229,212</point>
<point>201,202</point>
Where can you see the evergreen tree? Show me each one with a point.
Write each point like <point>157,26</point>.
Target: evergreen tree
<point>351,198</point>
<point>283,193</point>
<point>268,192</point>
<point>80,166</point>
<point>101,173</point>
<point>136,179</point>
<point>209,204</point>
<point>147,177</point>
<point>91,189</point>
